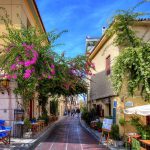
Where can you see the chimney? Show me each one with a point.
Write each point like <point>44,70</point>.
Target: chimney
<point>103,30</point>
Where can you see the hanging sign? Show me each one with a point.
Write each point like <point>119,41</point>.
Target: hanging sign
<point>115,104</point>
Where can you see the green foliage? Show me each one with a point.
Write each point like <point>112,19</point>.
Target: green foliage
<point>143,130</point>
<point>115,132</point>
<point>88,116</point>
<point>109,117</point>
<point>85,116</point>
<point>99,125</point>
<point>54,106</point>
<point>27,123</point>
<point>44,117</point>
<point>133,63</point>
<point>122,121</point>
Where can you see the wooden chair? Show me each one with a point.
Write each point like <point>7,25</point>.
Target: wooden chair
<point>5,134</point>
<point>5,137</point>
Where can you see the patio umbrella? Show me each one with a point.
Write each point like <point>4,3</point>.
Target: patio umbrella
<point>140,110</point>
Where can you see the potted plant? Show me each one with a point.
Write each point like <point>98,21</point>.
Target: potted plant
<point>99,126</point>
<point>122,121</point>
<point>145,132</point>
<point>27,125</point>
<point>114,134</point>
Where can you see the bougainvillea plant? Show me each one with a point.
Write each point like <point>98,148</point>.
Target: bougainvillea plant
<point>133,63</point>
<point>28,58</point>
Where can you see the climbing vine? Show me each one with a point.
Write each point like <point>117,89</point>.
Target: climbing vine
<point>133,63</point>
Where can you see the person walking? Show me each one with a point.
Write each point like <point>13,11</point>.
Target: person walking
<point>73,112</point>
<point>69,112</point>
<point>78,112</point>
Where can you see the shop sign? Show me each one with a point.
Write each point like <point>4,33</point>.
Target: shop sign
<point>115,104</point>
<point>18,111</point>
<point>128,104</point>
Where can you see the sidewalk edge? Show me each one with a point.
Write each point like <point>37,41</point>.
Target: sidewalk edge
<point>89,130</point>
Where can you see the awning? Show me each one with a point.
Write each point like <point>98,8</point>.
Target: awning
<point>143,110</point>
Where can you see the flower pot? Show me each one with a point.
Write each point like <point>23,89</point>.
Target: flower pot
<point>99,130</point>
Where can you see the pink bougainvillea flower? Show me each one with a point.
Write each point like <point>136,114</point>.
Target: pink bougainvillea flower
<point>28,71</point>
<point>35,54</point>
<point>24,44</point>
<point>8,76</point>
<point>27,63</point>
<point>49,77</point>
<point>33,70</point>
<point>21,63</point>
<point>27,75</point>
<point>52,66</point>
<point>53,72</point>
<point>13,67</point>
<point>14,76</point>
<point>27,53</point>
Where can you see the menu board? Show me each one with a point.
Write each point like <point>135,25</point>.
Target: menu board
<point>107,123</point>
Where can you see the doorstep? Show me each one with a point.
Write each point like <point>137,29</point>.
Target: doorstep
<point>29,144</point>
<point>97,136</point>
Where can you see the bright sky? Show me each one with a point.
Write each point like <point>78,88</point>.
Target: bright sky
<point>81,18</point>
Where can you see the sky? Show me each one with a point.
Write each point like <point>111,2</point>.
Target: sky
<point>81,18</point>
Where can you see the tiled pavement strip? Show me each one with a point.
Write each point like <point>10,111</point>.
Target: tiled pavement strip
<point>69,135</point>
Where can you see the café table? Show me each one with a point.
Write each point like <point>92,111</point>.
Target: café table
<point>146,143</point>
<point>35,127</point>
<point>132,135</point>
<point>41,124</point>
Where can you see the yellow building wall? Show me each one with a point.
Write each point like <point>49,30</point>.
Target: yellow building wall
<point>19,13</point>
<point>143,31</point>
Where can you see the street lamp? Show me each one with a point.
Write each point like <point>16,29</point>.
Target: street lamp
<point>4,83</point>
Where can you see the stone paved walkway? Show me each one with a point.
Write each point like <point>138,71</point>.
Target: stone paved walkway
<point>69,135</point>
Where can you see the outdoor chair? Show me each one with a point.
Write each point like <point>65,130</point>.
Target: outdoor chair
<point>5,134</point>
<point>5,137</point>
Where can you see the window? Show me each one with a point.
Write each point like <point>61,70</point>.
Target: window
<point>101,111</point>
<point>108,65</point>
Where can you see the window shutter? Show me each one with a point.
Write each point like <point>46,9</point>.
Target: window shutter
<point>108,65</point>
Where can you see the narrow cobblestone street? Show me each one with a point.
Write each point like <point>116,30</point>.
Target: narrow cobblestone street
<point>69,135</point>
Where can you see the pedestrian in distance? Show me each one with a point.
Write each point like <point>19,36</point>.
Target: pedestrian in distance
<point>68,112</point>
<point>73,112</point>
<point>78,112</point>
